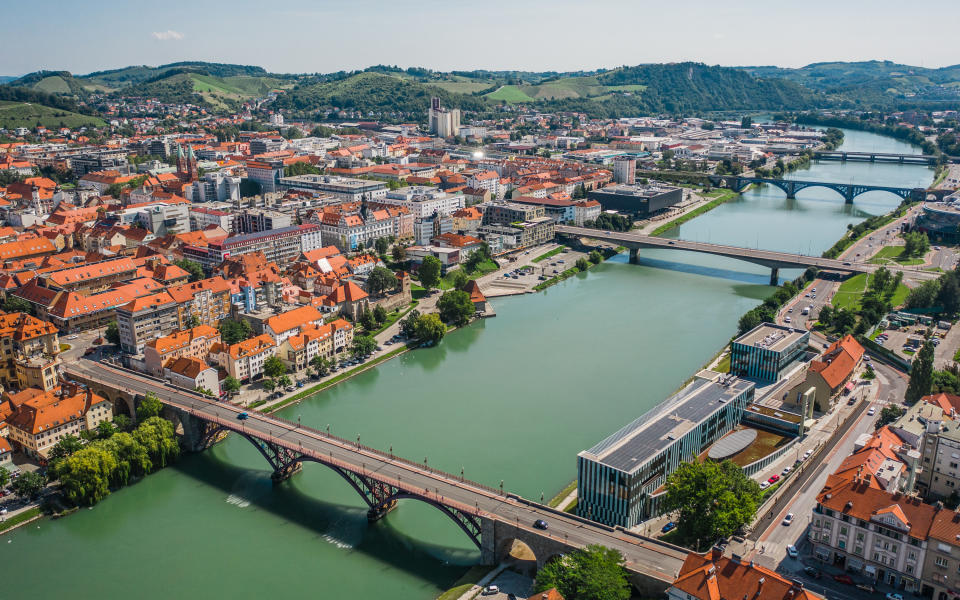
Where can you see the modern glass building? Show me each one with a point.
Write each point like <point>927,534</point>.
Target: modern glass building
<point>765,351</point>
<point>617,478</point>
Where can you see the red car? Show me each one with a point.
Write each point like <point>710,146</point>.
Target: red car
<point>842,578</point>
<point>773,479</point>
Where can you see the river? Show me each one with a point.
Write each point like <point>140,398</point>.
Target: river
<point>512,398</point>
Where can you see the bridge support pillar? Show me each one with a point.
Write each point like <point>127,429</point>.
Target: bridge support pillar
<point>286,472</point>
<point>375,514</point>
<point>774,276</point>
<point>634,255</point>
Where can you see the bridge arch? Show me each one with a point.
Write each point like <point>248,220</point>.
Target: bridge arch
<point>519,554</point>
<point>380,497</point>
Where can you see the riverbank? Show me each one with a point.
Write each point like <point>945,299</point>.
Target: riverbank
<point>721,197</point>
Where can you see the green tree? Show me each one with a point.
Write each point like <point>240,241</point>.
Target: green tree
<point>399,253</point>
<point>712,499</point>
<point>455,307</point>
<point>284,381</point>
<point>430,272</point>
<point>28,485</point>
<point>105,429</point>
<point>595,257</point>
<point>948,296</point>
<point>746,122</point>
<point>157,436</point>
<point>232,331</point>
<point>194,268</point>
<point>269,384</point>
<point>67,445</point>
<point>582,264</point>
<point>363,344</point>
<point>921,375</point>
<point>87,474</point>
<point>322,364</point>
<point>367,319</point>
<point>408,325</point>
<point>13,304</point>
<point>273,367</point>
<point>380,315</point>
<point>231,384</point>
<point>381,280</point>
<point>592,573</point>
<point>381,245</point>
<point>459,279</point>
<point>122,422</point>
<point>112,333</point>
<point>4,477</point>
<point>132,456</point>
<point>429,328</point>
<point>149,407</point>
<point>193,321</point>
<point>889,414</point>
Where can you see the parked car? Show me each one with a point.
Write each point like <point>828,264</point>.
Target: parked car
<point>540,524</point>
<point>72,336</point>
<point>894,596</point>
<point>490,590</point>
<point>871,412</point>
<point>787,520</point>
<point>764,485</point>
<point>792,551</point>
<point>843,578</point>
<point>866,587</point>
<point>773,479</point>
<point>812,572</point>
<point>668,527</point>
<point>785,471</point>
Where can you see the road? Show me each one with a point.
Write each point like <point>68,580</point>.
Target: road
<point>642,555</point>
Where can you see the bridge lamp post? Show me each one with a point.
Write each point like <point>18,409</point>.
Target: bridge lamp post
<point>501,486</point>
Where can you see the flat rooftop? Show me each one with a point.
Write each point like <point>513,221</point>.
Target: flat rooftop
<point>633,445</point>
<point>638,190</point>
<point>770,337</point>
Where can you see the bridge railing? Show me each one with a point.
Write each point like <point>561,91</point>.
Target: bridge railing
<point>390,456</point>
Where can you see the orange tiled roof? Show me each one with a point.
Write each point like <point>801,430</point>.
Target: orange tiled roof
<point>46,410</point>
<point>838,361</point>
<point>181,339</point>
<point>715,577</point>
<point>293,318</point>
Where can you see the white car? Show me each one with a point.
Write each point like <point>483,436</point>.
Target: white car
<point>491,590</point>
<point>792,551</point>
<point>871,412</point>
<point>786,319</point>
<point>764,485</point>
<point>788,519</point>
<point>72,336</point>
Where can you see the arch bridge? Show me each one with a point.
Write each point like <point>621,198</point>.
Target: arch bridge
<point>849,191</point>
<point>488,516</point>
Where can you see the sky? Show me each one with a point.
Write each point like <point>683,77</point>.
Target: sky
<point>306,36</point>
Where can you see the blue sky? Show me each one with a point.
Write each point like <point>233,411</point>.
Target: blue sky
<point>318,35</point>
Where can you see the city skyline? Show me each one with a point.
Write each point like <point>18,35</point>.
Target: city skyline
<point>324,37</point>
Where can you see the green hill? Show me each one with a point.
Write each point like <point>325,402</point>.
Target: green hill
<point>182,85</point>
<point>119,78</point>
<point>25,114</point>
<point>52,82</point>
<point>374,93</point>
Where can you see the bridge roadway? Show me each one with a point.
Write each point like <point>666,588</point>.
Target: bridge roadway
<point>767,258</point>
<point>875,157</point>
<point>644,556</point>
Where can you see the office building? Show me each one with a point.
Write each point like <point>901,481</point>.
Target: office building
<point>445,122</point>
<point>619,479</point>
<point>146,319</point>
<point>342,188</point>
<point>641,201</point>
<point>625,169</point>
<point>253,220</point>
<point>424,201</point>
<point>767,350</point>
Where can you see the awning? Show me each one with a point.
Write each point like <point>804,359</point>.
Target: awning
<point>854,564</point>
<point>849,387</point>
<point>822,552</point>
<point>871,570</point>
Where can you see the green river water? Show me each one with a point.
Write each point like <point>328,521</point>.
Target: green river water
<point>512,398</point>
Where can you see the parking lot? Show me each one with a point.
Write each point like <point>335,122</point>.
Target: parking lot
<point>510,586</point>
<point>905,342</point>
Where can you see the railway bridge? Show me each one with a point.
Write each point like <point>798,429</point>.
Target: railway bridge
<point>491,518</point>
<point>849,191</point>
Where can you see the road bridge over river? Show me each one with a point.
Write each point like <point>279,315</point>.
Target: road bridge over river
<point>767,258</point>
<point>491,518</point>
<point>849,191</point>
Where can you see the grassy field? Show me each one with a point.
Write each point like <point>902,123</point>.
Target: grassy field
<point>467,581</point>
<point>556,500</point>
<point>487,266</point>
<point>851,290</point>
<point>547,255</point>
<point>509,93</point>
<point>52,85</point>
<point>25,114</point>
<point>462,87</point>
<point>19,518</point>
<point>719,197</point>
<point>892,254</point>
<point>724,365</point>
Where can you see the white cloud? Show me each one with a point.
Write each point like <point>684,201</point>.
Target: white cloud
<point>167,35</point>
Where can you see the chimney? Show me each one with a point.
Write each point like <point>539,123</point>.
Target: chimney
<point>715,553</point>
<point>736,558</point>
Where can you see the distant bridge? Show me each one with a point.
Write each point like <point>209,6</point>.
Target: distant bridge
<point>907,159</point>
<point>492,519</point>
<point>849,191</point>
<point>767,258</point>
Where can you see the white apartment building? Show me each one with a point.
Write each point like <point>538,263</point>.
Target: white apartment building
<point>216,186</point>
<point>424,201</point>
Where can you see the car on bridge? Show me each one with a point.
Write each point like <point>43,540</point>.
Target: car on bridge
<point>243,416</point>
<point>540,524</point>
